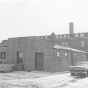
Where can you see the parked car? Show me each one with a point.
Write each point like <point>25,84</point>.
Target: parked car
<point>4,67</point>
<point>80,68</point>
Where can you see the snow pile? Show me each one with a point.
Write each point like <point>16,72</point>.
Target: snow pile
<point>41,80</point>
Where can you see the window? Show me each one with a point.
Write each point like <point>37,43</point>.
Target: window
<point>20,55</point>
<point>3,55</point>
<point>82,43</point>
<point>66,57</point>
<point>75,57</point>
<point>64,44</point>
<point>58,54</point>
<point>66,54</point>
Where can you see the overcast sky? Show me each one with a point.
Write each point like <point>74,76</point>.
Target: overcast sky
<point>41,17</point>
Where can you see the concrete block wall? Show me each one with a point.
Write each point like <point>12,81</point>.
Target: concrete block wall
<point>29,45</point>
<point>38,45</point>
<point>12,51</point>
<point>9,50</point>
<point>60,61</point>
<point>79,57</point>
<point>48,58</point>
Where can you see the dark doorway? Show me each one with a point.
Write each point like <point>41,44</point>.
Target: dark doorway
<point>19,66</point>
<point>39,61</point>
<point>87,57</point>
<point>19,57</point>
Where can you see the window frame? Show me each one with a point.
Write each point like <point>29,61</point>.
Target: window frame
<point>3,55</point>
<point>58,56</point>
<point>66,57</point>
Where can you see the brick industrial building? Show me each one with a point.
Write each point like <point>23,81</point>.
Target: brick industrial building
<point>46,53</point>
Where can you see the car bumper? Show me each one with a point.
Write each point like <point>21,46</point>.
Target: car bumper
<point>78,72</point>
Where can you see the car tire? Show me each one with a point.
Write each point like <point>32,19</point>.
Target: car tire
<point>72,74</point>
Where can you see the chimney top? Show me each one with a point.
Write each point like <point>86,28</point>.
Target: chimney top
<point>71,28</point>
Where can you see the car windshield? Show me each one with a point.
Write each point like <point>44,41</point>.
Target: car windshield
<point>82,64</point>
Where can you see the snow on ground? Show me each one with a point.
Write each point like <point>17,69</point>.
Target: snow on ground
<point>23,79</point>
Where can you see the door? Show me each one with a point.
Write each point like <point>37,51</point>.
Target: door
<point>39,61</point>
<point>74,59</point>
<point>19,57</point>
<point>19,66</point>
<point>87,57</point>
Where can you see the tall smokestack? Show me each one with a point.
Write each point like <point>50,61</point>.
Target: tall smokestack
<point>71,27</point>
